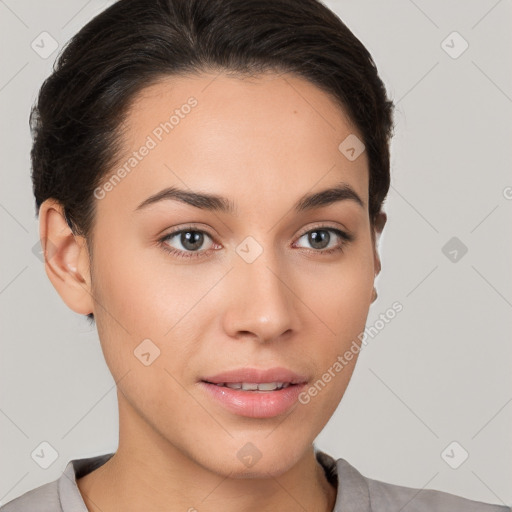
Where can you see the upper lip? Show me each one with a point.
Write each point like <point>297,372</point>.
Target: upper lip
<point>256,376</point>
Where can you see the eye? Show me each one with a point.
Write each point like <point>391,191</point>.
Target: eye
<point>322,241</point>
<point>187,243</point>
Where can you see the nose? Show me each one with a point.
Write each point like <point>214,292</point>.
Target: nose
<point>263,304</point>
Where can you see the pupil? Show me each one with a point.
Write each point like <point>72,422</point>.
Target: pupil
<point>320,237</point>
<point>191,240</point>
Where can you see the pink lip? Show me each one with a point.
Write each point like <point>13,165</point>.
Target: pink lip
<point>257,376</point>
<point>255,404</point>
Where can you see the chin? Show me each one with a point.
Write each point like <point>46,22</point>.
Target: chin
<point>249,462</point>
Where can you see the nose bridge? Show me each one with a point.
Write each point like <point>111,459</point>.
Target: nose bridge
<point>262,302</point>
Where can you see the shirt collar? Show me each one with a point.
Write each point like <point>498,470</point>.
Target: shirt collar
<point>70,498</point>
<point>352,493</point>
<point>352,490</point>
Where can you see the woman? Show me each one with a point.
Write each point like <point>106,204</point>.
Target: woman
<point>209,177</point>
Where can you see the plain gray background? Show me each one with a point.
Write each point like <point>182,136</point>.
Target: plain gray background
<point>438,373</point>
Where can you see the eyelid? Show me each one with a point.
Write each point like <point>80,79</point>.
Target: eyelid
<point>191,226</point>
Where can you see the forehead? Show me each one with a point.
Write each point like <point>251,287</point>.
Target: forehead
<point>246,137</point>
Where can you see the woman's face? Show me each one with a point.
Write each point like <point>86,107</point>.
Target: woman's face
<point>192,294</point>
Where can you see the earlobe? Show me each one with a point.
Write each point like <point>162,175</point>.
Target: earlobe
<point>67,262</point>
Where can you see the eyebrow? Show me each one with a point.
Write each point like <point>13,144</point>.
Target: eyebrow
<point>341,192</point>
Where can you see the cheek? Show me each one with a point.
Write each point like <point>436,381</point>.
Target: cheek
<point>139,292</point>
<point>340,301</point>
<point>140,295</point>
<point>340,294</point>
<point>139,311</point>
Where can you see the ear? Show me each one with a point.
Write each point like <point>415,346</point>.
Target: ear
<point>67,262</point>
<point>380,222</point>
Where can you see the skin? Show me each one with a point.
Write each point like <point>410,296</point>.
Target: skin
<point>263,142</point>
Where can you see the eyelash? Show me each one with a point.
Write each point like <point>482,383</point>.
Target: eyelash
<point>347,238</point>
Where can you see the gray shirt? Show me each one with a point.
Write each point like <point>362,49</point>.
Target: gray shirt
<point>355,492</point>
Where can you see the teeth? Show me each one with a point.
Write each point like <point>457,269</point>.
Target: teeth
<point>234,385</point>
<point>249,386</point>
<point>252,386</point>
<point>270,386</point>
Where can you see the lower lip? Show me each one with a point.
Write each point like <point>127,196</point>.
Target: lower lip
<point>255,404</point>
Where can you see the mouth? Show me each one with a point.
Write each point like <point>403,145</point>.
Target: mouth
<point>250,379</point>
<point>253,386</point>
<point>255,393</point>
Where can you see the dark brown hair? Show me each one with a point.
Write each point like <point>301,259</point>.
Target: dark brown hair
<point>81,105</point>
